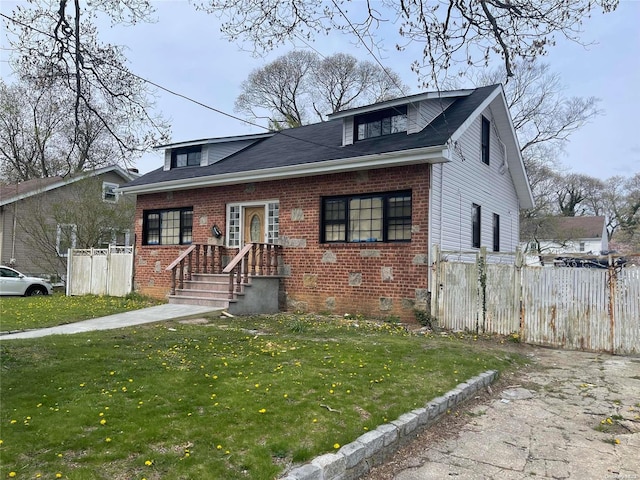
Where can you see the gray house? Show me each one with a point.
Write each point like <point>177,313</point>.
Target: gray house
<point>42,218</point>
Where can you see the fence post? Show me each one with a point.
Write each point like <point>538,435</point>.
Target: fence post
<point>517,291</point>
<point>612,280</point>
<point>435,287</point>
<point>481,261</point>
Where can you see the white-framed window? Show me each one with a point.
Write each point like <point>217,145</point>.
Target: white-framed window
<point>108,192</point>
<point>235,222</point>
<point>66,236</point>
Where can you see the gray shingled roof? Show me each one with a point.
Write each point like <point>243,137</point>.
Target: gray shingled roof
<point>322,142</point>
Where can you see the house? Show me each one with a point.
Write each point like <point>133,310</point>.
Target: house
<point>40,219</point>
<point>560,235</point>
<point>352,204</point>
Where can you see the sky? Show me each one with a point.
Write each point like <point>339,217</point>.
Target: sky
<point>185,52</point>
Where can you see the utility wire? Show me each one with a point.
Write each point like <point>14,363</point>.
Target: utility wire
<point>216,110</point>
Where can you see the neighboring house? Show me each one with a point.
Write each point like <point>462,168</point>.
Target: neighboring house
<point>41,219</point>
<point>355,202</point>
<point>561,235</point>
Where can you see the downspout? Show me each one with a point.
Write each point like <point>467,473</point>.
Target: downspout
<point>12,260</point>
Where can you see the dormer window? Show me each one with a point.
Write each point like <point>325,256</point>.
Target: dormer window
<point>186,157</point>
<point>383,122</point>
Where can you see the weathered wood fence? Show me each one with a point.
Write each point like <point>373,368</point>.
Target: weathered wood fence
<point>594,309</point>
<point>100,271</point>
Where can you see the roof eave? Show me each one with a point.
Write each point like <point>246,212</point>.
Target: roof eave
<point>438,154</point>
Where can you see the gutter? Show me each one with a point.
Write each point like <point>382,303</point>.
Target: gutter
<point>438,154</point>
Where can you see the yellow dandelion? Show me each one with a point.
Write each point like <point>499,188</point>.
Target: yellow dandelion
<point>617,441</point>
<point>336,446</point>
<point>262,410</point>
<point>58,475</point>
<point>108,439</point>
<point>148,463</point>
<point>219,447</point>
<point>12,474</point>
<point>103,421</point>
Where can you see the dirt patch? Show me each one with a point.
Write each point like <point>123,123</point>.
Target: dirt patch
<point>412,455</point>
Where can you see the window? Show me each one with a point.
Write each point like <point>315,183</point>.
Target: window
<point>108,192</point>
<point>385,122</point>
<point>496,232</point>
<point>186,157</point>
<point>114,237</point>
<point>486,136</point>
<point>65,238</point>
<point>168,227</point>
<point>367,218</point>
<point>475,225</point>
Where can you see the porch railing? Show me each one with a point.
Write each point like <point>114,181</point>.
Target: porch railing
<point>253,259</point>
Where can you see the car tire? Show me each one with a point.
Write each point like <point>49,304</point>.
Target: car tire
<point>35,290</point>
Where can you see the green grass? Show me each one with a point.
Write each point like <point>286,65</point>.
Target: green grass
<point>26,313</point>
<point>234,398</point>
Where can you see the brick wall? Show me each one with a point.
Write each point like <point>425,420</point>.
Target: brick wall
<point>377,279</point>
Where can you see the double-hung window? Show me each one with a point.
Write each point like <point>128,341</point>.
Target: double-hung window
<point>486,140</point>
<point>367,218</point>
<point>167,227</point>
<point>476,218</point>
<point>108,192</point>
<point>186,157</point>
<point>496,232</point>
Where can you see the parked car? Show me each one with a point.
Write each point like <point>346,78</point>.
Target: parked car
<point>13,282</point>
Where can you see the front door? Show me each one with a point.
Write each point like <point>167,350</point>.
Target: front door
<point>254,226</point>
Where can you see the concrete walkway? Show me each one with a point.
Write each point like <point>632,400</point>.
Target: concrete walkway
<point>136,317</point>
<point>574,415</point>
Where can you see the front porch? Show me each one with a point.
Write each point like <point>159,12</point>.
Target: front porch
<point>240,281</point>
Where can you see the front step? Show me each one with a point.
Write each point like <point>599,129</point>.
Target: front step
<point>258,296</point>
<point>182,299</point>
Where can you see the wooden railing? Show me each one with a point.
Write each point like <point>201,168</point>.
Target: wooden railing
<point>253,259</point>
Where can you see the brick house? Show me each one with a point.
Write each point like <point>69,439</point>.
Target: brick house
<point>353,204</point>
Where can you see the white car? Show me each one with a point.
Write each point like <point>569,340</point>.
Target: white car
<point>13,282</point>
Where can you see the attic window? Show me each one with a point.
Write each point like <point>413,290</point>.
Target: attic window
<point>186,157</point>
<point>108,192</point>
<point>383,122</point>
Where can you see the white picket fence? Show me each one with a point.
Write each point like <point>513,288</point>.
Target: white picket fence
<point>565,307</point>
<point>100,271</point>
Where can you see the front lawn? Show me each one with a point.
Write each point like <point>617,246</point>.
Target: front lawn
<point>217,398</point>
<point>26,313</point>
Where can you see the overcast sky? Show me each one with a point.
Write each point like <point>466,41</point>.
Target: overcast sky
<point>185,52</point>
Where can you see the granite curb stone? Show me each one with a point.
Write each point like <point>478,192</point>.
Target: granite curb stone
<point>356,458</point>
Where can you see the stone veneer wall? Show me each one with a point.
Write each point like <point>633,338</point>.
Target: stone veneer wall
<point>374,279</point>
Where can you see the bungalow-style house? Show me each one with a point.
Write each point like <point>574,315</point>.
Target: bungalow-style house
<point>344,212</point>
<point>40,219</point>
<point>561,235</point>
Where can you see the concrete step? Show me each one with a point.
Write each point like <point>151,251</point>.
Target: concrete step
<point>193,300</point>
<point>210,286</point>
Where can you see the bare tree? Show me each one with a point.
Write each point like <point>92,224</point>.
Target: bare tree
<point>50,223</point>
<point>464,33</point>
<point>573,193</point>
<point>39,137</point>
<point>299,85</point>
<point>279,88</point>
<point>543,117</point>
<point>55,46</point>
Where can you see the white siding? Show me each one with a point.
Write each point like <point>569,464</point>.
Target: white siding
<point>467,180</point>
<point>428,110</point>
<point>167,159</point>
